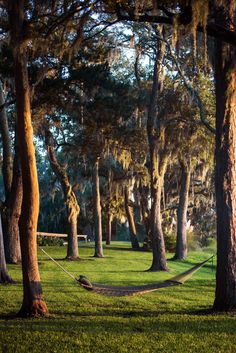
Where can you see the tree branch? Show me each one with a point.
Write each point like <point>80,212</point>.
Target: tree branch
<point>212,29</point>
<point>190,89</point>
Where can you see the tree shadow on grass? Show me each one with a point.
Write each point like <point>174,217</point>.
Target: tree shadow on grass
<point>118,322</point>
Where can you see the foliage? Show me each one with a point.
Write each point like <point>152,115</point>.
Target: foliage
<point>49,241</point>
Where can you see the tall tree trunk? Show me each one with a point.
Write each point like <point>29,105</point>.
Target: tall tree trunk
<point>157,237</point>
<point>12,215</point>
<point>72,206</point>
<point>154,137</point>
<point>4,276</point>
<point>13,191</point>
<point>181,240</point>
<point>130,218</point>
<point>33,302</point>
<point>225,173</point>
<point>97,213</point>
<point>7,164</point>
<point>109,224</point>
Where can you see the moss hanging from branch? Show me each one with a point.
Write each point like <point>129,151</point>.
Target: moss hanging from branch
<point>200,10</point>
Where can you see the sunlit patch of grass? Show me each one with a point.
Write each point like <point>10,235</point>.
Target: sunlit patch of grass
<point>172,319</point>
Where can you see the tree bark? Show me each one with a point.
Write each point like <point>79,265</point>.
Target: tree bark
<point>4,276</point>
<point>72,206</point>
<point>12,215</point>
<point>157,237</point>
<point>97,214</point>
<point>7,163</point>
<point>181,240</point>
<point>130,218</point>
<point>33,302</point>
<point>157,165</point>
<point>225,172</point>
<point>13,191</point>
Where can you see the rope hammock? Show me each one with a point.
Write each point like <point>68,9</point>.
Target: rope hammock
<point>120,291</point>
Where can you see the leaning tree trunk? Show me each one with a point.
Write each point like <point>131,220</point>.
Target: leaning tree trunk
<point>4,276</point>
<point>12,215</point>
<point>72,206</point>
<point>97,213</point>
<point>181,240</point>
<point>156,176</point>
<point>225,173</point>
<point>130,218</point>
<point>33,302</point>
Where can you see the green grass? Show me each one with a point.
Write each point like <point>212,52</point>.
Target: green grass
<point>169,320</point>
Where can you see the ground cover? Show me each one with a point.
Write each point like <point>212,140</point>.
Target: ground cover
<point>173,319</point>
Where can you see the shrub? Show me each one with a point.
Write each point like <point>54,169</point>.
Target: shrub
<point>50,241</point>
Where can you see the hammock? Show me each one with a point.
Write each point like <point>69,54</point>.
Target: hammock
<point>120,291</point>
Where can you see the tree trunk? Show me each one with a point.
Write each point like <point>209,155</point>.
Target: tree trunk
<point>72,249</point>
<point>109,223</point>
<point>97,214</point>
<point>72,206</point>
<point>7,163</point>
<point>130,218</point>
<point>4,276</point>
<point>12,215</point>
<point>33,303</point>
<point>225,173</point>
<point>181,240</point>
<point>157,237</point>
<point>13,192</point>
<point>156,175</point>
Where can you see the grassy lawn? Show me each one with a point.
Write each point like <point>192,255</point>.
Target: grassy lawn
<point>172,319</point>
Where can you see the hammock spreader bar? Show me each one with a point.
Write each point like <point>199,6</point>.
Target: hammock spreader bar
<point>118,291</point>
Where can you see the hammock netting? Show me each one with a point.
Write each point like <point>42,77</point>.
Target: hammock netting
<point>120,291</point>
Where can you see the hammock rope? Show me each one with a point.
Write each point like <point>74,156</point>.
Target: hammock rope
<point>119,291</point>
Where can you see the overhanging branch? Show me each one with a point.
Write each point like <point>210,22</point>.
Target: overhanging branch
<point>212,29</point>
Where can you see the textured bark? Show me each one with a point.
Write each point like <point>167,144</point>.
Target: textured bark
<point>7,163</point>
<point>225,174</point>
<point>13,191</point>
<point>157,237</point>
<point>72,206</point>
<point>157,165</point>
<point>130,218</point>
<point>97,213</point>
<point>4,276</point>
<point>181,240</point>
<point>12,215</point>
<point>33,302</point>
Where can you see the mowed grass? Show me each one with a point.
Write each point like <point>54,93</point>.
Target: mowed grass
<point>174,319</point>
